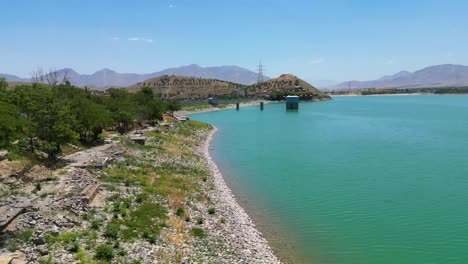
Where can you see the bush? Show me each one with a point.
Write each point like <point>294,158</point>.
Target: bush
<point>96,224</point>
<point>200,221</point>
<point>104,252</point>
<point>149,237</point>
<point>211,211</point>
<point>112,231</point>
<point>198,232</point>
<point>74,247</point>
<point>180,211</point>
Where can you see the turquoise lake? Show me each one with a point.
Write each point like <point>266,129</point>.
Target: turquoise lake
<point>381,179</point>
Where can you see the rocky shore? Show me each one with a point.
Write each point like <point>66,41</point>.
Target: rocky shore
<point>240,228</point>
<point>164,201</point>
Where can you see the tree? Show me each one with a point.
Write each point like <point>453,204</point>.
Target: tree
<point>119,103</point>
<point>173,105</point>
<point>51,121</point>
<point>3,84</point>
<point>91,120</point>
<point>11,124</point>
<point>154,110</point>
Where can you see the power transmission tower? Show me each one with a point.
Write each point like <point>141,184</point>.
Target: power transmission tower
<point>260,68</point>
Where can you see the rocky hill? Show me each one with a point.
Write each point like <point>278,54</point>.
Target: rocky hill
<point>285,82</point>
<point>181,87</point>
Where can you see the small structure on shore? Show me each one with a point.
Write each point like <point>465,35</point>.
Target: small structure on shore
<point>212,101</point>
<point>292,102</point>
<point>181,118</point>
<point>138,138</point>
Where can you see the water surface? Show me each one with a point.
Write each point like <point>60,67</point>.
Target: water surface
<point>356,179</point>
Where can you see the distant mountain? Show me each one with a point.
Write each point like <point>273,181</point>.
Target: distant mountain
<point>108,78</point>
<point>13,78</point>
<point>434,76</point>
<point>232,73</point>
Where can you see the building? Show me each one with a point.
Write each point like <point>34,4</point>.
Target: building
<point>292,102</point>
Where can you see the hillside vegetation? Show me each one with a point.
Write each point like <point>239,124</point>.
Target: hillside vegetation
<point>180,87</point>
<point>285,82</point>
<point>42,118</point>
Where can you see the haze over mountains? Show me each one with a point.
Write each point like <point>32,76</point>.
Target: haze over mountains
<point>433,76</point>
<point>109,78</point>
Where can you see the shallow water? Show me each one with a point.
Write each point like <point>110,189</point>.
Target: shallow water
<point>356,179</point>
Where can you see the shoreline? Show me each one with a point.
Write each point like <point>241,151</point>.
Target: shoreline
<point>402,94</point>
<point>251,242</point>
<point>214,109</point>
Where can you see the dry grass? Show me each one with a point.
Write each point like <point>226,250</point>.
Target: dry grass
<point>176,149</point>
<point>163,256</point>
<point>201,198</point>
<point>8,167</point>
<point>176,239</point>
<point>176,199</point>
<point>178,224</point>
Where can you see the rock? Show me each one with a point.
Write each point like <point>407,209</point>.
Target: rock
<point>43,250</point>
<point>3,155</point>
<point>39,241</point>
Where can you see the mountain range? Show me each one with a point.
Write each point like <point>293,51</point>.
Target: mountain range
<point>434,76</point>
<point>108,78</point>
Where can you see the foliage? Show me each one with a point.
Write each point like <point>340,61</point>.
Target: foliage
<point>198,232</point>
<point>104,252</point>
<point>11,124</point>
<point>173,105</point>
<point>44,118</point>
<point>3,84</point>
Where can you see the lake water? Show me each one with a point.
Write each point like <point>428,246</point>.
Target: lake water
<point>353,180</point>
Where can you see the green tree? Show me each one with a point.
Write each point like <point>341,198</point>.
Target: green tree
<point>120,104</point>
<point>52,122</point>
<point>91,118</point>
<point>3,84</point>
<point>173,105</point>
<point>11,124</point>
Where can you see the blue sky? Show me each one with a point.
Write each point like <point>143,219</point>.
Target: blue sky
<point>316,40</point>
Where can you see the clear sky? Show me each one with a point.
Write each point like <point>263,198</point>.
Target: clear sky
<point>316,40</point>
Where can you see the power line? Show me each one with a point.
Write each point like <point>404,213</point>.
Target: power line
<point>260,69</point>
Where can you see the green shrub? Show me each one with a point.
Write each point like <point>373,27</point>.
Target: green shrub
<point>180,211</point>
<point>150,237</point>
<point>74,247</point>
<point>96,224</point>
<point>198,232</point>
<point>211,211</point>
<point>112,230</point>
<point>104,252</point>
<point>200,221</point>
<point>46,260</point>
